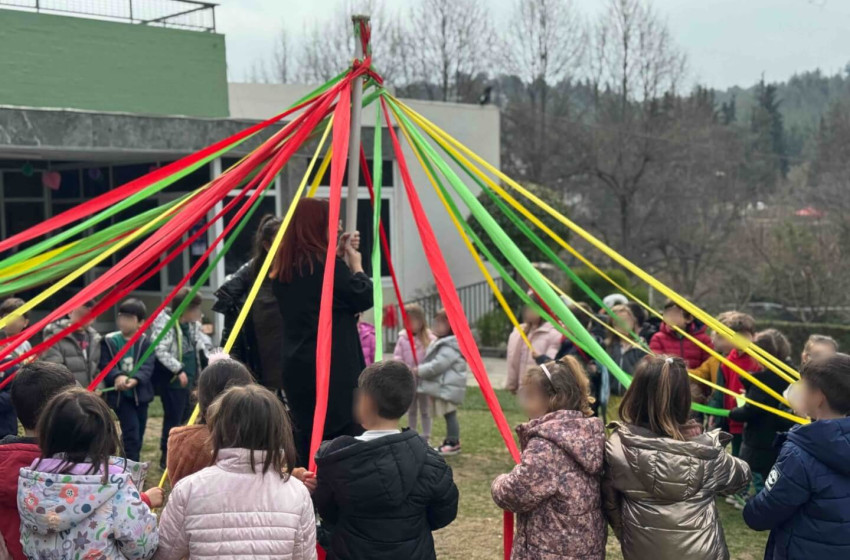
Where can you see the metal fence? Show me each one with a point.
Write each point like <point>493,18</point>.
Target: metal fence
<point>477,300</point>
<point>185,14</point>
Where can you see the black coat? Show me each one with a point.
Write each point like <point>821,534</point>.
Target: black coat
<point>299,305</point>
<point>259,342</point>
<point>759,447</point>
<point>384,497</point>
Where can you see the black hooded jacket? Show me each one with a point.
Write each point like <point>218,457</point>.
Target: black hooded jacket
<point>384,497</point>
<point>759,448</point>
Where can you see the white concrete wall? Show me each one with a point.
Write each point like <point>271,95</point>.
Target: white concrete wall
<point>475,126</point>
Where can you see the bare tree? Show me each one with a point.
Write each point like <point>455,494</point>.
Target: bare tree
<point>544,44</point>
<point>450,41</point>
<point>634,66</point>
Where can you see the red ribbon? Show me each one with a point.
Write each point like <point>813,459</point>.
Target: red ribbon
<point>342,117</point>
<point>386,245</point>
<point>454,311</point>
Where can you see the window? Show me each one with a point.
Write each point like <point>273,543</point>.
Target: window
<point>386,172</point>
<point>69,187</point>
<point>18,185</point>
<point>364,226</point>
<point>95,181</point>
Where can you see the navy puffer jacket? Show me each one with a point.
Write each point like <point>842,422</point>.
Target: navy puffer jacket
<point>806,499</point>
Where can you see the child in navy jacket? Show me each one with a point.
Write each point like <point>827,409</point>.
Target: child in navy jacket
<point>806,498</point>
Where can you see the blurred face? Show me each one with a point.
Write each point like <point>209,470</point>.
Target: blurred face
<point>192,315</point>
<point>675,317</point>
<point>529,315</point>
<point>365,410</point>
<point>818,350</point>
<point>721,345</point>
<point>532,400</point>
<point>16,325</point>
<point>808,400</point>
<point>128,324</point>
<point>441,327</point>
<point>624,322</point>
<point>78,314</point>
<point>416,325</point>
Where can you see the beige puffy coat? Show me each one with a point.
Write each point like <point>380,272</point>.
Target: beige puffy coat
<point>227,511</point>
<point>659,493</point>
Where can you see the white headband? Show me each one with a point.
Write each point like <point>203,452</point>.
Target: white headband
<point>546,371</point>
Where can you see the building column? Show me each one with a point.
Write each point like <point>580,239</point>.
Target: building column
<point>217,277</point>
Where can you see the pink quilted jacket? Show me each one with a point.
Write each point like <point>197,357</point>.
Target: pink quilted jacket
<point>403,353</point>
<point>227,511</point>
<point>545,340</point>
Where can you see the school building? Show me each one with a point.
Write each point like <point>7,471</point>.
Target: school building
<point>96,94</point>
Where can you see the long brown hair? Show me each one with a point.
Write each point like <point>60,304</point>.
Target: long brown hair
<point>266,232</point>
<point>253,418</point>
<point>78,425</point>
<point>659,398</point>
<point>568,389</point>
<point>305,239</point>
<point>415,311</point>
<point>217,378</point>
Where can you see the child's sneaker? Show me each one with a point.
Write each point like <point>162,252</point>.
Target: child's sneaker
<point>449,448</point>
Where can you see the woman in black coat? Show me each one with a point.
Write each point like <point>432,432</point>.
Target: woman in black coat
<point>259,342</point>
<point>298,272</point>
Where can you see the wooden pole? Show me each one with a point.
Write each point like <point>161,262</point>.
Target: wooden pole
<point>354,134</point>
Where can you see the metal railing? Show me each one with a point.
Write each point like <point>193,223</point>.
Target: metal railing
<point>184,14</point>
<point>477,300</point>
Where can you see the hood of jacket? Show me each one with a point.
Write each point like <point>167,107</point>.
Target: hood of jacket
<point>579,436</point>
<point>58,326</point>
<point>653,458</point>
<point>828,441</point>
<point>450,341</point>
<point>695,328</point>
<point>376,475</point>
<point>51,503</point>
<point>366,329</point>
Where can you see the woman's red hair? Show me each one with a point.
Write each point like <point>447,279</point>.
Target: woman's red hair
<point>306,238</point>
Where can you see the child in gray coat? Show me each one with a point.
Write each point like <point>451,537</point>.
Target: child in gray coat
<point>442,375</point>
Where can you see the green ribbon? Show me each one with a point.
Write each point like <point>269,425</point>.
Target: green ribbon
<point>377,286</point>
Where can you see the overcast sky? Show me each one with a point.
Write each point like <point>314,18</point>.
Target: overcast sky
<point>728,42</point>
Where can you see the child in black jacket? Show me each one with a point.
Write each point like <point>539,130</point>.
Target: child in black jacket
<point>386,490</point>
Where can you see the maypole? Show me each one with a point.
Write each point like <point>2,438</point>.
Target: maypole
<point>361,47</point>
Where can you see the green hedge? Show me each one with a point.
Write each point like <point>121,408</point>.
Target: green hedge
<point>797,333</point>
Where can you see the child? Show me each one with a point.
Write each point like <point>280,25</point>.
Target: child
<point>179,355</point>
<point>8,422</point>
<point>806,498</point>
<point>711,369</point>
<point>366,331</point>
<point>555,490</point>
<point>442,376</point>
<point>77,496</point>
<point>34,385</point>
<point>819,346</point>
<point>420,407</point>
<point>247,504</point>
<point>545,342</point>
<point>386,490</point>
<point>662,475</point>
<point>191,449</point>
<point>132,394</point>
<point>668,341</point>
<point>79,350</point>
<point>623,349</point>
<point>761,426</point>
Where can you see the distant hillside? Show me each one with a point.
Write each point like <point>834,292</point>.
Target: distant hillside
<point>804,98</point>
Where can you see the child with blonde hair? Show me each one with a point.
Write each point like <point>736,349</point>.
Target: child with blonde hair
<point>411,355</point>
<point>555,490</point>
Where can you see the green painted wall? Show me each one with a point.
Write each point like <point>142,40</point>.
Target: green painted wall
<point>69,62</point>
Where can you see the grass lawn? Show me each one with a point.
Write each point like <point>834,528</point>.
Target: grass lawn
<point>477,532</point>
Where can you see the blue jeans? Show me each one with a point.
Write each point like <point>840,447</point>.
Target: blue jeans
<point>133,419</point>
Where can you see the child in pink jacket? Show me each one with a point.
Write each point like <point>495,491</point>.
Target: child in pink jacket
<point>247,504</point>
<point>545,341</point>
<point>420,408</point>
<point>555,490</point>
